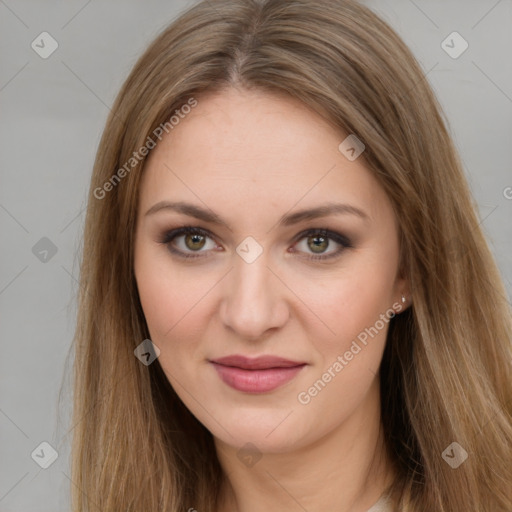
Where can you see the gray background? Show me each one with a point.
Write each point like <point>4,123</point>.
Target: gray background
<point>52,114</point>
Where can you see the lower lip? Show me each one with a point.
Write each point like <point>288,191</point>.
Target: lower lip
<point>256,381</point>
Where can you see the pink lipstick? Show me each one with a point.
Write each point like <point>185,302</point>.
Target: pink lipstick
<point>256,375</point>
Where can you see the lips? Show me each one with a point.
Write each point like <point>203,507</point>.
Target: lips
<point>257,363</point>
<point>256,375</point>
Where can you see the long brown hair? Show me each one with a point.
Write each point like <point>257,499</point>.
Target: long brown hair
<point>446,371</point>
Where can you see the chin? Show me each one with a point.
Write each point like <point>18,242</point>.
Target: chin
<point>270,432</point>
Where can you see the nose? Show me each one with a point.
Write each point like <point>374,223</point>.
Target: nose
<point>254,299</point>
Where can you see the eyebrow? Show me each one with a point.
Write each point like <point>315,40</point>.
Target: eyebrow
<point>288,219</point>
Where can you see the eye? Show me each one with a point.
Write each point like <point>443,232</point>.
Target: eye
<point>187,240</point>
<point>319,240</point>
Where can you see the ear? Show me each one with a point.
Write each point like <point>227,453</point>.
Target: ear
<point>402,299</point>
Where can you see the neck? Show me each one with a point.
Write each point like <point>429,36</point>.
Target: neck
<point>346,470</point>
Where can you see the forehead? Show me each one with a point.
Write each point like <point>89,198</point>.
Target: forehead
<point>248,149</point>
<point>237,124</point>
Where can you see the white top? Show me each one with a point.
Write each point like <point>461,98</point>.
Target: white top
<point>383,505</point>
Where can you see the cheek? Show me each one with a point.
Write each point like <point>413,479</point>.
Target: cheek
<point>349,303</point>
<point>171,306</point>
<point>357,308</point>
<point>356,305</point>
<point>167,296</point>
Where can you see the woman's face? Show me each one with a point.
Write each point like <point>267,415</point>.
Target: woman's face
<point>291,267</point>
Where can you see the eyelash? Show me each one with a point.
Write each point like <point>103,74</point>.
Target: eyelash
<point>169,236</point>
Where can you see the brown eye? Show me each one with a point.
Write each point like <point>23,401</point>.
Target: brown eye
<point>194,242</point>
<point>318,244</point>
<point>188,240</point>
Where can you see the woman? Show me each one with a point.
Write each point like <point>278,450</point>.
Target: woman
<point>287,300</point>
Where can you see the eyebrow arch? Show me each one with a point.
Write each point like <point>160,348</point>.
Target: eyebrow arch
<point>289,219</point>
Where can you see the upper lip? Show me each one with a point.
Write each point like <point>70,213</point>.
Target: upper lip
<point>256,363</point>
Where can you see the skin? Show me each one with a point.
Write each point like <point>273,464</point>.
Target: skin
<point>252,157</point>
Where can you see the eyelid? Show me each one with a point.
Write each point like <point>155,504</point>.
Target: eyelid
<point>334,236</point>
<point>170,235</point>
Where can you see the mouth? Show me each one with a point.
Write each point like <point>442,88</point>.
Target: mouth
<point>256,375</point>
